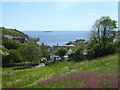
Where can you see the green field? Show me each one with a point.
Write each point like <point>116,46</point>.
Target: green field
<point>96,73</point>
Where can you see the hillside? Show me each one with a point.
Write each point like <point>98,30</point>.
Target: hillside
<point>17,35</point>
<point>13,32</point>
<point>101,73</point>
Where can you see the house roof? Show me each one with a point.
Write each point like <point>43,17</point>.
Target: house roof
<point>33,39</point>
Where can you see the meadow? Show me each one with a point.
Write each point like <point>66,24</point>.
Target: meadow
<point>99,73</point>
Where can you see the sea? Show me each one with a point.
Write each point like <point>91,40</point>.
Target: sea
<point>58,37</point>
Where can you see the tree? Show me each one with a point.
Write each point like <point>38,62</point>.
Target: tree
<point>31,52</point>
<point>43,46</point>
<point>103,31</point>
<point>13,57</point>
<point>78,53</point>
<point>11,44</point>
<point>61,52</point>
<point>45,52</point>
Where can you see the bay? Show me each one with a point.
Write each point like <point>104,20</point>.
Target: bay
<point>58,37</point>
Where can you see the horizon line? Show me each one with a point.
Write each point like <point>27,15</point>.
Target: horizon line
<point>55,30</point>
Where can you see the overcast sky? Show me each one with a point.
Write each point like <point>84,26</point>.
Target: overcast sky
<point>55,15</point>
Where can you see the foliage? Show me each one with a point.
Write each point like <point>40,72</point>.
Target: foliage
<point>117,44</point>
<point>61,52</point>
<point>3,51</point>
<point>43,46</point>
<point>95,50</point>
<point>83,80</point>
<point>25,52</point>
<point>31,52</point>
<point>11,44</point>
<point>50,62</point>
<point>78,53</point>
<point>31,77</point>
<point>45,52</point>
<point>102,36</point>
<point>13,32</point>
<point>101,41</point>
<point>13,57</point>
<point>103,30</point>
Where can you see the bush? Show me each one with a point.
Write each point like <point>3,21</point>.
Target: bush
<point>117,44</point>
<point>13,57</point>
<point>49,63</point>
<point>96,50</point>
<point>31,52</point>
<point>46,54</point>
<point>11,44</point>
<point>61,52</point>
<point>78,53</point>
<point>110,48</point>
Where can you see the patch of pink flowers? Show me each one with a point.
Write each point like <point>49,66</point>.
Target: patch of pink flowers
<point>96,79</point>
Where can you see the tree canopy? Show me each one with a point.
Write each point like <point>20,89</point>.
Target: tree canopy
<point>61,52</point>
<point>103,31</point>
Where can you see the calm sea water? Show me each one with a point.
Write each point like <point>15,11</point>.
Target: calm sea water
<point>58,37</point>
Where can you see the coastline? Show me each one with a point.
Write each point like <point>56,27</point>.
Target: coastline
<point>58,37</point>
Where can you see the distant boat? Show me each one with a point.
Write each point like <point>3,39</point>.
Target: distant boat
<point>48,31</point>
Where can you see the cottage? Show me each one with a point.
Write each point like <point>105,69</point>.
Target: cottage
<point>20,39</point>
<point>80,41</point>
<point>34,40</point>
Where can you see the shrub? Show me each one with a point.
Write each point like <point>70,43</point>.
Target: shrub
<point>78,53</point>
<point>49,63</point>
<point>110,48</point>
<point>96,50</point>
<point>13,57</point>
<point>31,52</point>
<point>117,44</point>
<point>11,44</point>
<point>61,52</point>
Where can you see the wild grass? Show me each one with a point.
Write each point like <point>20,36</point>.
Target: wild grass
<point>32,78</point>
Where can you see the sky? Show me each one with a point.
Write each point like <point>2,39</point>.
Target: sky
<point>55,16</point>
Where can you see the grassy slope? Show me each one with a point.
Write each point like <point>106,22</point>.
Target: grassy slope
<point>30,77</point>
<point>13,32</point>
